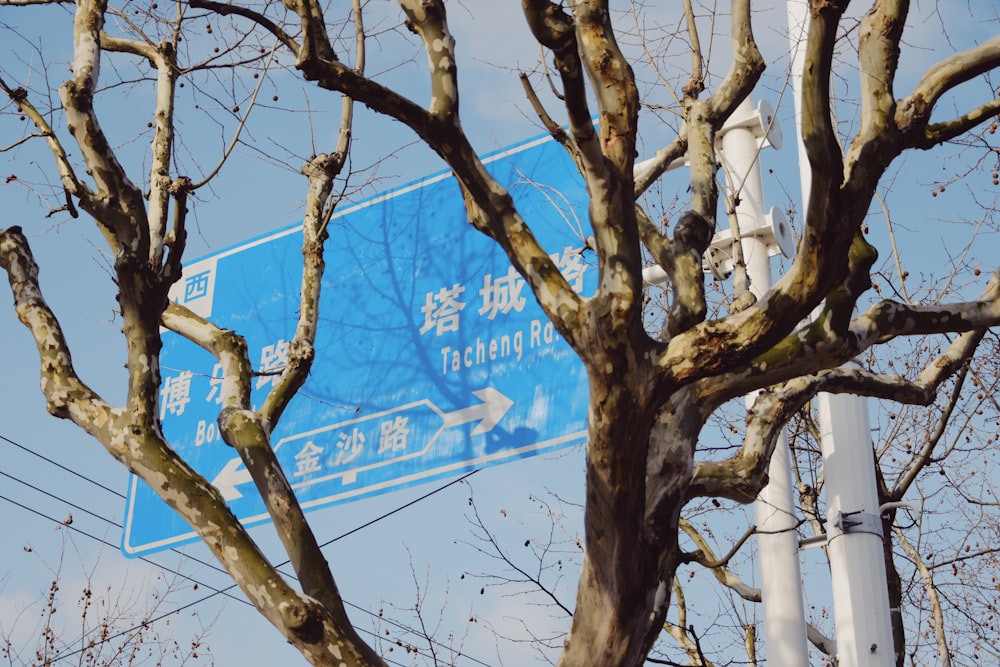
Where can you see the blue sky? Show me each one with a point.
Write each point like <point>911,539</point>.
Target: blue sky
<point>371,565</point>
<point>426,545</point>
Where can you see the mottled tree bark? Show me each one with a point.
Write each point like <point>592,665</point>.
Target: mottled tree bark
<point>148,247</point>
<point>650,397</point>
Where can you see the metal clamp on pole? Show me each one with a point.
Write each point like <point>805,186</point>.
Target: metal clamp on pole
<point>855,522</point>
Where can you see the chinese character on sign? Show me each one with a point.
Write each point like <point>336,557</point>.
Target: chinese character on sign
<point>215,384</point>
<point>441,309</point>
<point>350,446</point>
<point>570,263</point>
<point>273,358</point>
<point>393,435</point>
<point>503,294</point>
<point>307,460</point>
<point>176,393</point>
<point>196,286</point>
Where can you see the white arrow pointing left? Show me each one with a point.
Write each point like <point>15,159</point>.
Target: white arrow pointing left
<point>233,475</point>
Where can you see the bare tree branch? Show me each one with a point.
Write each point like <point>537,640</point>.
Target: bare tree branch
<point>70,182</point>
<point>914,111</point>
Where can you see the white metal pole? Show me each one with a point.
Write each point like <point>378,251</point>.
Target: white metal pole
<point>854,534</point>
<point>798,24</point>
<point>854,527</point>
<point>781,585</point>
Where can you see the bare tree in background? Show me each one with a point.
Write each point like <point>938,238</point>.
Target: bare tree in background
<point>106,625</point>
<point>650,396</point>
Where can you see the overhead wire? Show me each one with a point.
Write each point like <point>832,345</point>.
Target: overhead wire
<point>104,542</point>
<point>215,591</point>
<point>62,500</point>
<point>173,612</point>
<point>62,467</point>
<point>101,517</point>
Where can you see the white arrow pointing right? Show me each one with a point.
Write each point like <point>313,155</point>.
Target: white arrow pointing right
<point>494,406</point>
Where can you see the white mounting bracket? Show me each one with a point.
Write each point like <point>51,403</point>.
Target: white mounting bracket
<point>760,122</point>
<point>775,232</point>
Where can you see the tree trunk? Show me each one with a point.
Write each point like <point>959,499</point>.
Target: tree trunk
<point>631,524</point>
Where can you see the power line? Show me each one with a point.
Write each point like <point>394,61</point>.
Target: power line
<point>62,500</point>
<point>215,591</point>
<point>62,467</point>
<point>104,542</point>
<point>58,498</point>
<point>400,508</point>
<point>220,591</point>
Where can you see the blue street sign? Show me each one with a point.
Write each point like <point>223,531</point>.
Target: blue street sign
<point>432,356</point>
